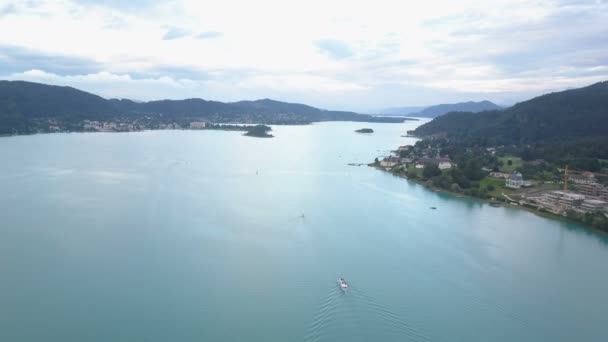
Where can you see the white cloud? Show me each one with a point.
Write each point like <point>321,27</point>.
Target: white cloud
<point>339,53</point>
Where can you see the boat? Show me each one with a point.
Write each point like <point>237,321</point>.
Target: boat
<point>433,208</point>
<point>343,284</point>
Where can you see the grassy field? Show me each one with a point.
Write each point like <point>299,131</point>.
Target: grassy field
<point>516,162</point>
<point>499,186</point>
<point>412,168</point>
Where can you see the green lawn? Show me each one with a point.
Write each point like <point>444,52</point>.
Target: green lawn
<point>412,168</point>
<point>499,186</point>
<point>516,162</point>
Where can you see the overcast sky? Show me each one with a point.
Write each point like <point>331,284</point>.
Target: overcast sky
<point>355,55</point>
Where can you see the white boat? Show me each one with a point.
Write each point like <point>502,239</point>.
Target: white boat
<point>343,284</point>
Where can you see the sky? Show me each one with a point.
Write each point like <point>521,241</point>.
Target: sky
<point>349,55</point>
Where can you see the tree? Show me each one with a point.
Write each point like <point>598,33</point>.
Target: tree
<point>509,162</point>
<point>472,170</point>
<point>430,171</point>
<point>490,188</point>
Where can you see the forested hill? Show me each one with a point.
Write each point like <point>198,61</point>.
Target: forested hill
<point>470,106</point>
<point>569,115</point>
<point>25,106</point>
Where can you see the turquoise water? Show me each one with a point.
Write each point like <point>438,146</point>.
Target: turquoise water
<point>172,236</point>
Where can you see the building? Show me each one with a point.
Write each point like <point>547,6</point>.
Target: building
<point>499,175</point>
<point>405,148</point>
<point>515,181</point>
<point>596,190</point>
<point>583,178</point>
<point>559,201</point>
<point>444,165</point>
<point>389,162</point>
<point>198,125</point>
<point>406,161</point>
<point>594,206</point>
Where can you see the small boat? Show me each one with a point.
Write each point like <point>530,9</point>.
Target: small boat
<point>433,208</point>
<point>343,284</point>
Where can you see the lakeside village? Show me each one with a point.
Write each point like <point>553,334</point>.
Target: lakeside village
<point>493,174</point>
<point>140,125</point>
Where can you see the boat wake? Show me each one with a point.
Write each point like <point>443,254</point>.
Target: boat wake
<point>358,317</point>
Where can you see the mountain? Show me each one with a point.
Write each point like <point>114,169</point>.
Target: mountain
<point>25,106</point>
<point>571,115</point>
<point>470,106</point>
<point>34,100</point>
<point>395,111</point>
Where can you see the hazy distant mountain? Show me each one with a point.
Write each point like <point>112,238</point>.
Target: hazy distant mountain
<point>25,104</point>
<point>404,111</point>
<point>470,106</point>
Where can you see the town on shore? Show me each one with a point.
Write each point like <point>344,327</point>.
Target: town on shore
<point>492,173</point>
<point>137,125</point>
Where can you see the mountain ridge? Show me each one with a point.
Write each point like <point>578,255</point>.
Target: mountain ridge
<point>24,105</point>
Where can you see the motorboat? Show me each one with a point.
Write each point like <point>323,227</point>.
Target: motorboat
<point>343,284</point>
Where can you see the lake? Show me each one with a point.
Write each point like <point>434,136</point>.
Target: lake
<point>213,236</point>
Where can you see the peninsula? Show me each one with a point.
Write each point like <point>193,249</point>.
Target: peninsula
<point>365,130</point>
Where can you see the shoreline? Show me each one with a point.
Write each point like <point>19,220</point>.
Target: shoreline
<point>5,135</point>
<point>503,203</point>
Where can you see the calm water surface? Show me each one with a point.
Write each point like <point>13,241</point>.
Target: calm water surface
<point>199,236</point>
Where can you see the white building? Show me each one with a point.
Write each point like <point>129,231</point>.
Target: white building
<point>198,124</point>
<point>444,165</point>
<point>515,181</point>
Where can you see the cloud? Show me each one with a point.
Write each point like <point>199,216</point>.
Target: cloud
<point>8,9</point>
<point>208,35</point>
<point>334,48</point>
<point>175,33</point>
<point>356,55</point>
<point>17,59</point>
<point>120,4</point>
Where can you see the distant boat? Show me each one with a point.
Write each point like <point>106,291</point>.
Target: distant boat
<point>342,283</point>
<point>433,208</point>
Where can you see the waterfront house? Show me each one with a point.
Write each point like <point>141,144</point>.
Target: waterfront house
<point>389,162</point>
